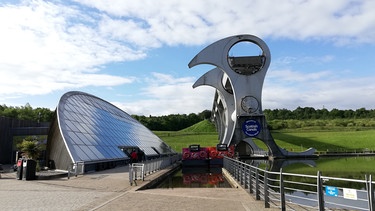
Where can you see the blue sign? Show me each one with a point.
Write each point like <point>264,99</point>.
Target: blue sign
<point>332,191</point>
<point>251,127</point>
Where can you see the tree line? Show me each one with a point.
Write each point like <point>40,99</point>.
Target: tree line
<point>309,113</point>
<point>172,122</point>
<point>175,122</point>
<point>27,113</point>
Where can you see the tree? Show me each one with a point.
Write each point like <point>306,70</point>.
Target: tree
<point>27,113</point>
<point>361,113</point>
<point>10,112</point>
<point>336,113</point>
<point>31,147</point>
<point>206,114</point>
<point>322,113</point>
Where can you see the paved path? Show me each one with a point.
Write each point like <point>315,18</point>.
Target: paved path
<point>111,190</point>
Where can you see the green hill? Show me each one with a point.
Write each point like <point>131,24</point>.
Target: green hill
<point>202,126</point>
<point>203,133</point>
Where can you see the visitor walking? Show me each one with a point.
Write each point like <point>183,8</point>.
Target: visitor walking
<point>141,155</point>
<point>134,156</point>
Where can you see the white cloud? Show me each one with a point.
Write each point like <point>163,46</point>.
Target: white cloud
<point>196,22</point>
<point>47,47</point>
<point>165,94</point>
<point>58,45</point>
<point>317,90</point>
<point>129,31</point>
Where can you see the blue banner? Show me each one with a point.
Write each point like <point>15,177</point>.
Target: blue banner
<point>332,191</point>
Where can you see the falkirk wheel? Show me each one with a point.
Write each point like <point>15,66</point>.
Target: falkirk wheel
<point>237,107</point>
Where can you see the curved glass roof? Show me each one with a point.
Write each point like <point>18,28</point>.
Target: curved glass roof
<point>94,129</point>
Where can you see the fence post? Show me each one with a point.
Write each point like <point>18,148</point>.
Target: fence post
<point>236,171</point>
<point>242,175</point>
<point>135,170</point>
<point>257,191</point>
<point>69,169</point>
<point>247,176</point>
<point>83,167</point>
<point>282,192</point>
<point>143,172</point>
<point>370,192</point>
<point>130,174</point>
<point>266,193</point>
<point>233,169</point>
<point>320,192</point>
<point>250,179</point>
<point>75,166</point>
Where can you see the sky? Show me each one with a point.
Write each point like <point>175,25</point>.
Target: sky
<point>135,54</point>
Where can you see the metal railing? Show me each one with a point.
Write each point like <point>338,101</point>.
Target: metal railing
<point>76,169</point>
<point>289,191</point>
<point>141,170</point>
<point>260,153</point>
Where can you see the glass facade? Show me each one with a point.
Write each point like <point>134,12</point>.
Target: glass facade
<point>95,130</point>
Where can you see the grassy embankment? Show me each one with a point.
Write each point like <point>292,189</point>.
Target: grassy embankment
<point>323,138</point>
<point>203,133</point>
<point>327,138</point>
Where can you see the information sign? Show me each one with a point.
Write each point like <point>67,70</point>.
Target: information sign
<point>350,193</point>
<point>332,191</point>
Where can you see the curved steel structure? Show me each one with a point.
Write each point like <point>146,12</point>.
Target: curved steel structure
<point>237,107</point>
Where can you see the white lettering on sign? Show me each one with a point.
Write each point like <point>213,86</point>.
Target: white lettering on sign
<point>251,128</point>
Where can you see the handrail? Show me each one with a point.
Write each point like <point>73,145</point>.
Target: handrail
<point>140,170</point>
<point>76,168</point>
<point>293,191</point>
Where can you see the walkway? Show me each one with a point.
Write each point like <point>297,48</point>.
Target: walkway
<point>111,190</point>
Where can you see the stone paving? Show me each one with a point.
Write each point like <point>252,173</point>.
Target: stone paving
<point>111,190</point>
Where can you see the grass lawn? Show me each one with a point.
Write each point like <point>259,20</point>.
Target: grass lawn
<point>329,139</point>
<point>326,140</point>
<point>179,140</point>
<point>293,141</point>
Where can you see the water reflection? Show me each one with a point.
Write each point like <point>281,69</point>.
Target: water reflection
<point>196,177</point>
<point>343,167</point>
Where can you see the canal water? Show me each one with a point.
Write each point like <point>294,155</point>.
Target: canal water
<point>355,167</point>
<point>350,168</point>
<point>196,177</point>
<point>212,177</point>
<point>340,167</point>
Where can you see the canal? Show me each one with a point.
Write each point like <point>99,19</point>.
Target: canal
<point>354,167</point>
<point>195,177</point>
<point>212,177</point>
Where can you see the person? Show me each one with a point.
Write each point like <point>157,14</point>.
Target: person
<point>134,156</point>
<point>141,155</point>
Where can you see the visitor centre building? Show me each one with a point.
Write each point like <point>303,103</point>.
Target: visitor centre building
<point>97,134</point>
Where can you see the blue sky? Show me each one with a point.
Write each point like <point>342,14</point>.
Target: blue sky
<point>134,54</point>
